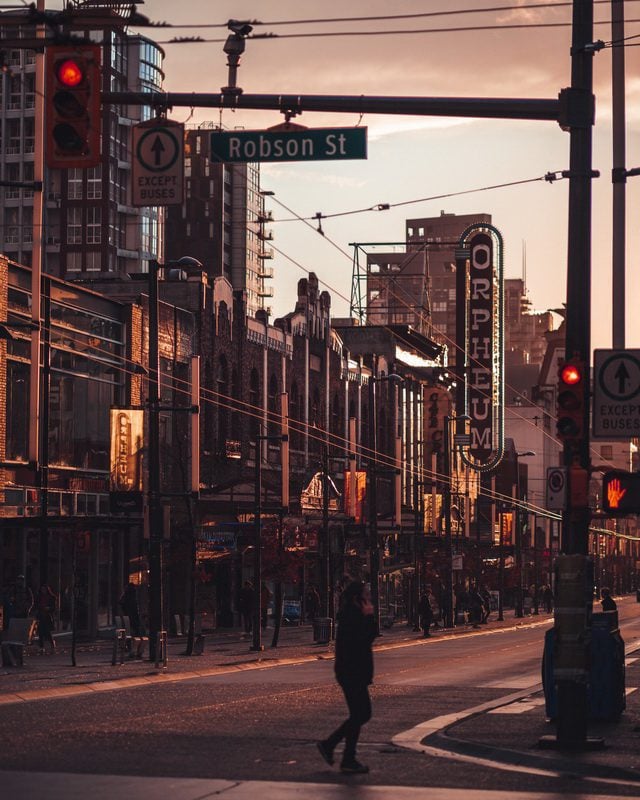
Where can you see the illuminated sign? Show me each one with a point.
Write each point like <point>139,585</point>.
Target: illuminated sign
<point>621,492</point>
<point>482,246</point>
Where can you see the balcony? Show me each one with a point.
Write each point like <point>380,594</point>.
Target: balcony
<point>265,272</point>
<point>266,254</point>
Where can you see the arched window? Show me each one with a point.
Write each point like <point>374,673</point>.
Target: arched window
<point>255,412</point>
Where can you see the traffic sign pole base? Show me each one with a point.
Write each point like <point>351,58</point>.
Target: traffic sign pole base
<point>588,744</point>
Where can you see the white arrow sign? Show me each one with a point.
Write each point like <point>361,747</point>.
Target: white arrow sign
<point>158,163</point>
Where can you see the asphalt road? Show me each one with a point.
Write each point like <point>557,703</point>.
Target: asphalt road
<point>262,724</point>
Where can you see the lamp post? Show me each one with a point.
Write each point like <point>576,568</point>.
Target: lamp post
<point>156,533</point>
<point>449,605</point>
<point>374,544</point>
<point>519,610</point>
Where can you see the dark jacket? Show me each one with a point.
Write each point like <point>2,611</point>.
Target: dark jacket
<point>355,635</point>
<point>608,603</point>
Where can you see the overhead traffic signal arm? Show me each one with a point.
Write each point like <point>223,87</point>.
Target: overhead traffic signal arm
<point>72,103</point>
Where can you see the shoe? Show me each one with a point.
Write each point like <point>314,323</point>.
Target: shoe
<point>324,751</point>
<point>354,768</point>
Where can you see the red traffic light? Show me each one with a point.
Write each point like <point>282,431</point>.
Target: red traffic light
<point>70,73</point>
<point>72,106</point>
<point>570,374</point>
<point>571,401</point>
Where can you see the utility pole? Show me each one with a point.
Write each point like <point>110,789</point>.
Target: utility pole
<point>618,172</point>
<point>156,522</point>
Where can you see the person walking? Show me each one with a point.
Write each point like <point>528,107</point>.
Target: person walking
<point>312,601</point>
<point>46,602</point>
<point>547,598</point>
<point>265,600</point>
<point>426,614</point>
<point>607,602</point>
<point>245,606</point>
<point>354,673</point>
<point>130,607</point>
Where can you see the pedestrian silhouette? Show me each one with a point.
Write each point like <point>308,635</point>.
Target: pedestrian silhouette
<point>354,673</point>
<point>245,606</point>
<point>130,608</point>
<point>608,603</point>
<point>46,603</point>
<point>426,614</point>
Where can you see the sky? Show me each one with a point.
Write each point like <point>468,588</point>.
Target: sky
<point>417,158</point>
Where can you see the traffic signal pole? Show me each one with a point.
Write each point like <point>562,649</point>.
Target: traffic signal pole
<point>574,583</point>
<point>573,109</point>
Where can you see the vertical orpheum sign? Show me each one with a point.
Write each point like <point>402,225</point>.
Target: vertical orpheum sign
<point>484,357</point>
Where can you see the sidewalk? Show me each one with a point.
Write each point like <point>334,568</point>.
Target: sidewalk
<point>47,676</point>
<point>506,734</point>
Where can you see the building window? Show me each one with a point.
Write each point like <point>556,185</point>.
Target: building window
<point>74,184</point>
<point>94,183</point>
<point>74,225</point>
<point>94,222</point>
<point>14,137</point>
<point>74,262</point>
<point>94,262</point>
<point>29,135</point>
<point>17,410</point>
<point>606,451</point>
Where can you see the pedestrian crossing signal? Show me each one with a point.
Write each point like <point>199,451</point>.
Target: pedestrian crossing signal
<point>621,492</point>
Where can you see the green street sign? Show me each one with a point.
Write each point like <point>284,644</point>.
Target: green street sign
<point>308,144</point>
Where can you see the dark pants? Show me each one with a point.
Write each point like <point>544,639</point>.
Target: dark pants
<point>359,705</point>
<point>45,625</point>
<point>247,621</point>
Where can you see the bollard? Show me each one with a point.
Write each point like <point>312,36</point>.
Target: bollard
<point>119,646</point>
<point>161,649</point>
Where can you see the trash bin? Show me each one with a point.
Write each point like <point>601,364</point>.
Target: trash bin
<point>322,630</point>
<point>607,699</point>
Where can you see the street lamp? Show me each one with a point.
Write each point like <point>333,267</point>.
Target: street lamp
<point>156,533</point>
<point>374,544</point>
<point>449,605</point>
<point>519,611</point>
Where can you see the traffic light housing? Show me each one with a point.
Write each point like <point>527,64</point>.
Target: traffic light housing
<point>571,400</point>
<point>72,103</point>
<point>621,492</point>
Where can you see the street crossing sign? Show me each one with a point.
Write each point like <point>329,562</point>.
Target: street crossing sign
<point>616,394</point>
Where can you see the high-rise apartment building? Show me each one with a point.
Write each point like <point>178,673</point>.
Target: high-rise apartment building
<point>90,227</point>
<point>417,287</point>
<point>222,221</point>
